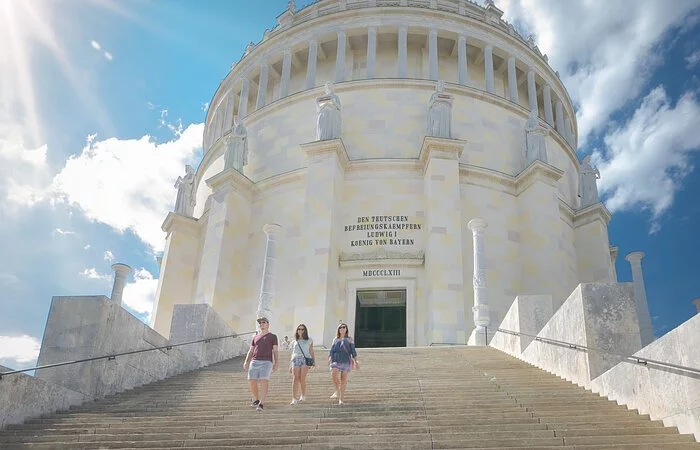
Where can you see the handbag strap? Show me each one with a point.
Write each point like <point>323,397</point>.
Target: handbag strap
<point>301,349</point>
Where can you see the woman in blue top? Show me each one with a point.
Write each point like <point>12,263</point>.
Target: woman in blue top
<point>342,358</point>
<point>302,348</point>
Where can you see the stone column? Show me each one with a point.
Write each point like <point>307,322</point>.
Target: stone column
<point>532,91</point>
<point>267,285</point>
<point>488,68</point>
<point>568,132</point>
<point>262,86</point>
<point>403,52</point>
<point>547,98</point>
<point>481,308</point>
<point>371,51</point>
<point>462,60</point>
<point>696,302</point>
<point>560,117</point>
<point>640,297</point>
<point>311,64</point>
<point>432,55</point>
<point>286,73</point>
<point>121,272</point>
<point>228,115</point>
<point>243,101</point>
<point>512,81</point>
<point>340,58</point>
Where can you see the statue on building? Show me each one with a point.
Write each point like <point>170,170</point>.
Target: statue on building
<point>328,107</point>
<point>291,6</point>
<point>587,184</point>
<point>236,143</point>
<point>440,113</point>
<point>184,203</point>
<point>535,140</point>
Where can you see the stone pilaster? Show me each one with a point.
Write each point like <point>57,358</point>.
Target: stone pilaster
<point>311,64</point>
<point>371,51</point>
<point>547,99</point>
<point>286,73</point>
<point>326,165</point>
<point>482,320</point>
<point>340,58</point>
<point>512,81</point>
<point>121,272</point>
<point>532,91</point>
<point>463,71</point>
<point>177,281</point>
<point>432,55</point>
<point>444,281</point>
<point>267,283</point>
<point>243,101</point>
<point>560,118</point>
<point>403,52</point>
<point>222,281</point>
<point>262,87</point>
<point>640,297</point>
<point>540,228</point>
<point>592,245</point>
<point>488,69</point>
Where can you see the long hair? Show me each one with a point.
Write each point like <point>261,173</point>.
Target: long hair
<point>347,331</point>
<point>304,335</point>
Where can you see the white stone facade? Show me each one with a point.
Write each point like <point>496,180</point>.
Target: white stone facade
<point>384,175</point>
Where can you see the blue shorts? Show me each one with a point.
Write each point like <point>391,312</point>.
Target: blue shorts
<point>259,370</point>
<point>343,367</point>
<point>298,361</point>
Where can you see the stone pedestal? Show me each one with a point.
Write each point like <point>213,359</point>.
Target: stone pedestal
<point>640,297</point>
<point>592,245</point>
<point>121,273</point>
<point>539,220</point>
<point>267,284</point>
<point>222,281</point>
<point>177,269</point>
<point>528,315</point>
<point>326,164</point>
<point>444,280</point>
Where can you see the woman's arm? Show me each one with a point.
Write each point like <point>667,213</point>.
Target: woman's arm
<point>311,350</point>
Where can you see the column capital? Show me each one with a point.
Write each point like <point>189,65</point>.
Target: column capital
<point>433,32</point>
<point>462,38</point>
<point>372,29</point>
<point>287,52</point>
<point>634,257</point>
<point>272,229</point>
<point>341,33</point>
<point>120,268</point>
<point>440,148</point>
<point>477,225</point>
<point>403,29</point>
<point>313,40</point>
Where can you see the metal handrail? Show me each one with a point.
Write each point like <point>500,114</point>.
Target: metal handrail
<point>132,352</point>
<point>629,358</point>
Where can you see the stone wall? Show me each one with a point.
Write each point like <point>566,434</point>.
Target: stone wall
<point>603,316</point>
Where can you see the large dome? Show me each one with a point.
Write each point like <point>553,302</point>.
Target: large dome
<point>372,132</point>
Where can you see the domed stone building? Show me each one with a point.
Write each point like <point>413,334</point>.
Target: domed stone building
<point>405,166</point>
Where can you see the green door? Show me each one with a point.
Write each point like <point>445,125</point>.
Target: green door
<point>380,318</point>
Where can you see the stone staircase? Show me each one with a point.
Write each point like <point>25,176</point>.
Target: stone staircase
<point>418,398</point>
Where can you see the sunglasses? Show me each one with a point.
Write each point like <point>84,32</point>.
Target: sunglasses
<point>340,328</point>
<point>301,329</point>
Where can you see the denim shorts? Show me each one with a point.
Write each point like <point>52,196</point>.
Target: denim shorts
<point>298,361</point>
<point>343,367</point>
<point>259,370</point>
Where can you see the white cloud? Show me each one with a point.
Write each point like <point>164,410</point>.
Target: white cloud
<point>205,106</point>
<point>605,51</point>
<point>58,231</point>
<point>109,256</point>
<point>19,349</point>
<point>128,184</point>
<point>108,56</point>
<point>647,158</point>
<point>93,274</point>
<point>692,60</point>
<point>87,247</point>
<point>24,173</point>
<point>96,45</point>
<point>141,294</point>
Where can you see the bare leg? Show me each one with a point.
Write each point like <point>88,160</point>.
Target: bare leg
<point>335,375</point>
<point>343,384</point>
<point>254,389</point>
<point>296,373</point>
<point>302,379</point>
<point>263,390</point>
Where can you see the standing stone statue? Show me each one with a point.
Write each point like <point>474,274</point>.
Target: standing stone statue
<point>535,140</point>
<point>587,184</point>
<point>236,143</point>
<point>328,107</point>
<point>440,113</point>
<point>184,203</point>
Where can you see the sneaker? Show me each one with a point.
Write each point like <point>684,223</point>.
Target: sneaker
<point>294,401</point>
<point>259,407</point>
<point>302,398</point>
<point>335,395</point>
<point>255,403</point>
<point>340,403</point>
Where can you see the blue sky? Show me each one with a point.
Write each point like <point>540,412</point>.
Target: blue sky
<point>103,101</point>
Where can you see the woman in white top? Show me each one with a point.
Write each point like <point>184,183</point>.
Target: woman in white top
<point>302,348</point>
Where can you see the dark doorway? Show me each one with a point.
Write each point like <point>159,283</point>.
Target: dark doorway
<point>380,318</point>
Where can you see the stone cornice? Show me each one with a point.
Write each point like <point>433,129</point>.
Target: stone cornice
<point>566,212</point>
<point>382,257</point>
<point>538,170</point>
<point>268,186</point>
<point>481,176</point>
<point>231,179</point>
<point>592,213</point>
<point>320,150</point>
<point>368,168</point>
<point>180,223</point>
<point>439,148</point>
